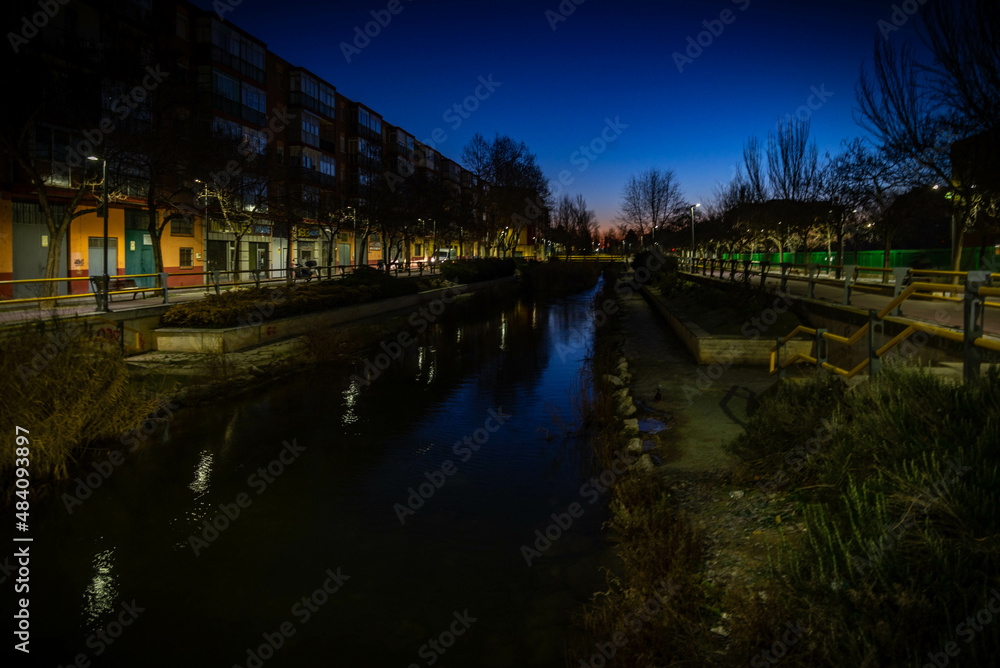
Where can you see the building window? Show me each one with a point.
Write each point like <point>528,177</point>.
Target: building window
<point>225,86</point>
<point>186,258</point>
<point>182,227</point>
<point>310,130</point>
<point>136,219</point>
<point>253,98</point>
<point>327,165</point>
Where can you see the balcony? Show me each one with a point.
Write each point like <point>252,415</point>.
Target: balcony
<point>227,59</point>
<point>300,99</point>
<point>307,175</point>
<point>328,145</point>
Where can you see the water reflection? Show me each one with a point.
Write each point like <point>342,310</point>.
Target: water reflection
<point>366,446</point>
<point>101,594</point>
<point>202,474</point>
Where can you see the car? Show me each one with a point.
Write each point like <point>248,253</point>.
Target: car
<point>444,255</point>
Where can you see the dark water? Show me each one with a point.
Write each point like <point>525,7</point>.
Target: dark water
<point>329,511</point>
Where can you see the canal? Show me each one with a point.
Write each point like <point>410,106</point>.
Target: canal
<point>330,522</point>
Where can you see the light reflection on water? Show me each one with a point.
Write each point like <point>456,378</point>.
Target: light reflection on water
<point>101,595</point>
<point>202,474</point>
<point>366,447</point>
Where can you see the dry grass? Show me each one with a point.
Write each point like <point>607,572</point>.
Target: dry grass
<point>69,392</point>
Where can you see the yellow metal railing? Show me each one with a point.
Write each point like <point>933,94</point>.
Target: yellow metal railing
<point>981,341</point>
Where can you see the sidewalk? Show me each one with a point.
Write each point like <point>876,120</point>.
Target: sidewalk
<point>87,306</point>
<point>935,311</point>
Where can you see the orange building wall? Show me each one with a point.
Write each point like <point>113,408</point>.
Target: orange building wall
<point>80,231</point>
<point>171,247</point>
<point>6,246</point>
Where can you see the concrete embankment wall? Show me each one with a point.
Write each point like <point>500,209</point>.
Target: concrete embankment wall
<point>845,321</point>
<point>264,330</point>
<point>715,349</point>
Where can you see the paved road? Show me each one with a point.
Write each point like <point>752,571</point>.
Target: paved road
<point>942,313</point>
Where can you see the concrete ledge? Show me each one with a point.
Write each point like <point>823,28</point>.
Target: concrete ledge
<point>714,349</point>
<point>231,339</point>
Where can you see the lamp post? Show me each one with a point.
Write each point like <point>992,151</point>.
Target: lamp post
<point>104,186</point>
<point>354,227</point>
<point>692,233</point>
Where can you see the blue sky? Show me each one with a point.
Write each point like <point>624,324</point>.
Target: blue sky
<point>558,77</point>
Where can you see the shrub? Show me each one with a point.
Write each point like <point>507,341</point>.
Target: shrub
<point>240,307</point>
<point>477,270</point>
<point>68,396</point>
<point>901,543</point>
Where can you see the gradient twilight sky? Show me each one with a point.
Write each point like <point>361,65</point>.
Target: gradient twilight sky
<point>606,60</point>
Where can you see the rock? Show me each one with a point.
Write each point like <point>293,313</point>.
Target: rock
<point>613,380</point>
<point>621,394</point>
<point>623,362</point>
<point>645,464</point>
<point>630,427</point>
<point>626,408</point>
<point>635,447</point>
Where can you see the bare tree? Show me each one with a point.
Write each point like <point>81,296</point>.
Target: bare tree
<point>650,200</point>
<point>918,108</point>
<point>515,192</point>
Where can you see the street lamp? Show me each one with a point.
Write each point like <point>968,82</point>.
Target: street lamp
<point>104,277</point>
<point>354,226</point>
<point>692,233</point>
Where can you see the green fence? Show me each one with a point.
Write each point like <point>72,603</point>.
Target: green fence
<point>939,258</point>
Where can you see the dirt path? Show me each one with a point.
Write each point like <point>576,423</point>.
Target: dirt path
<point>702,415</point>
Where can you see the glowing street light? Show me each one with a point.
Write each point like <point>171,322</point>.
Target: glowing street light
<point>104,278</point>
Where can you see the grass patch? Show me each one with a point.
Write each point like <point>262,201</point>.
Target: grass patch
<point>901,514</point>
<point>657,610</point>
<point>236,308</point>
<point>70,392</point>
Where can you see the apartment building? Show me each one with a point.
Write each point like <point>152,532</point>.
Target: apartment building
<point>149,79</point>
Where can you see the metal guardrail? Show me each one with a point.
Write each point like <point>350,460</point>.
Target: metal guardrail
<point>211,279</point>
<point>902,276</point>
<point>972,337</point>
